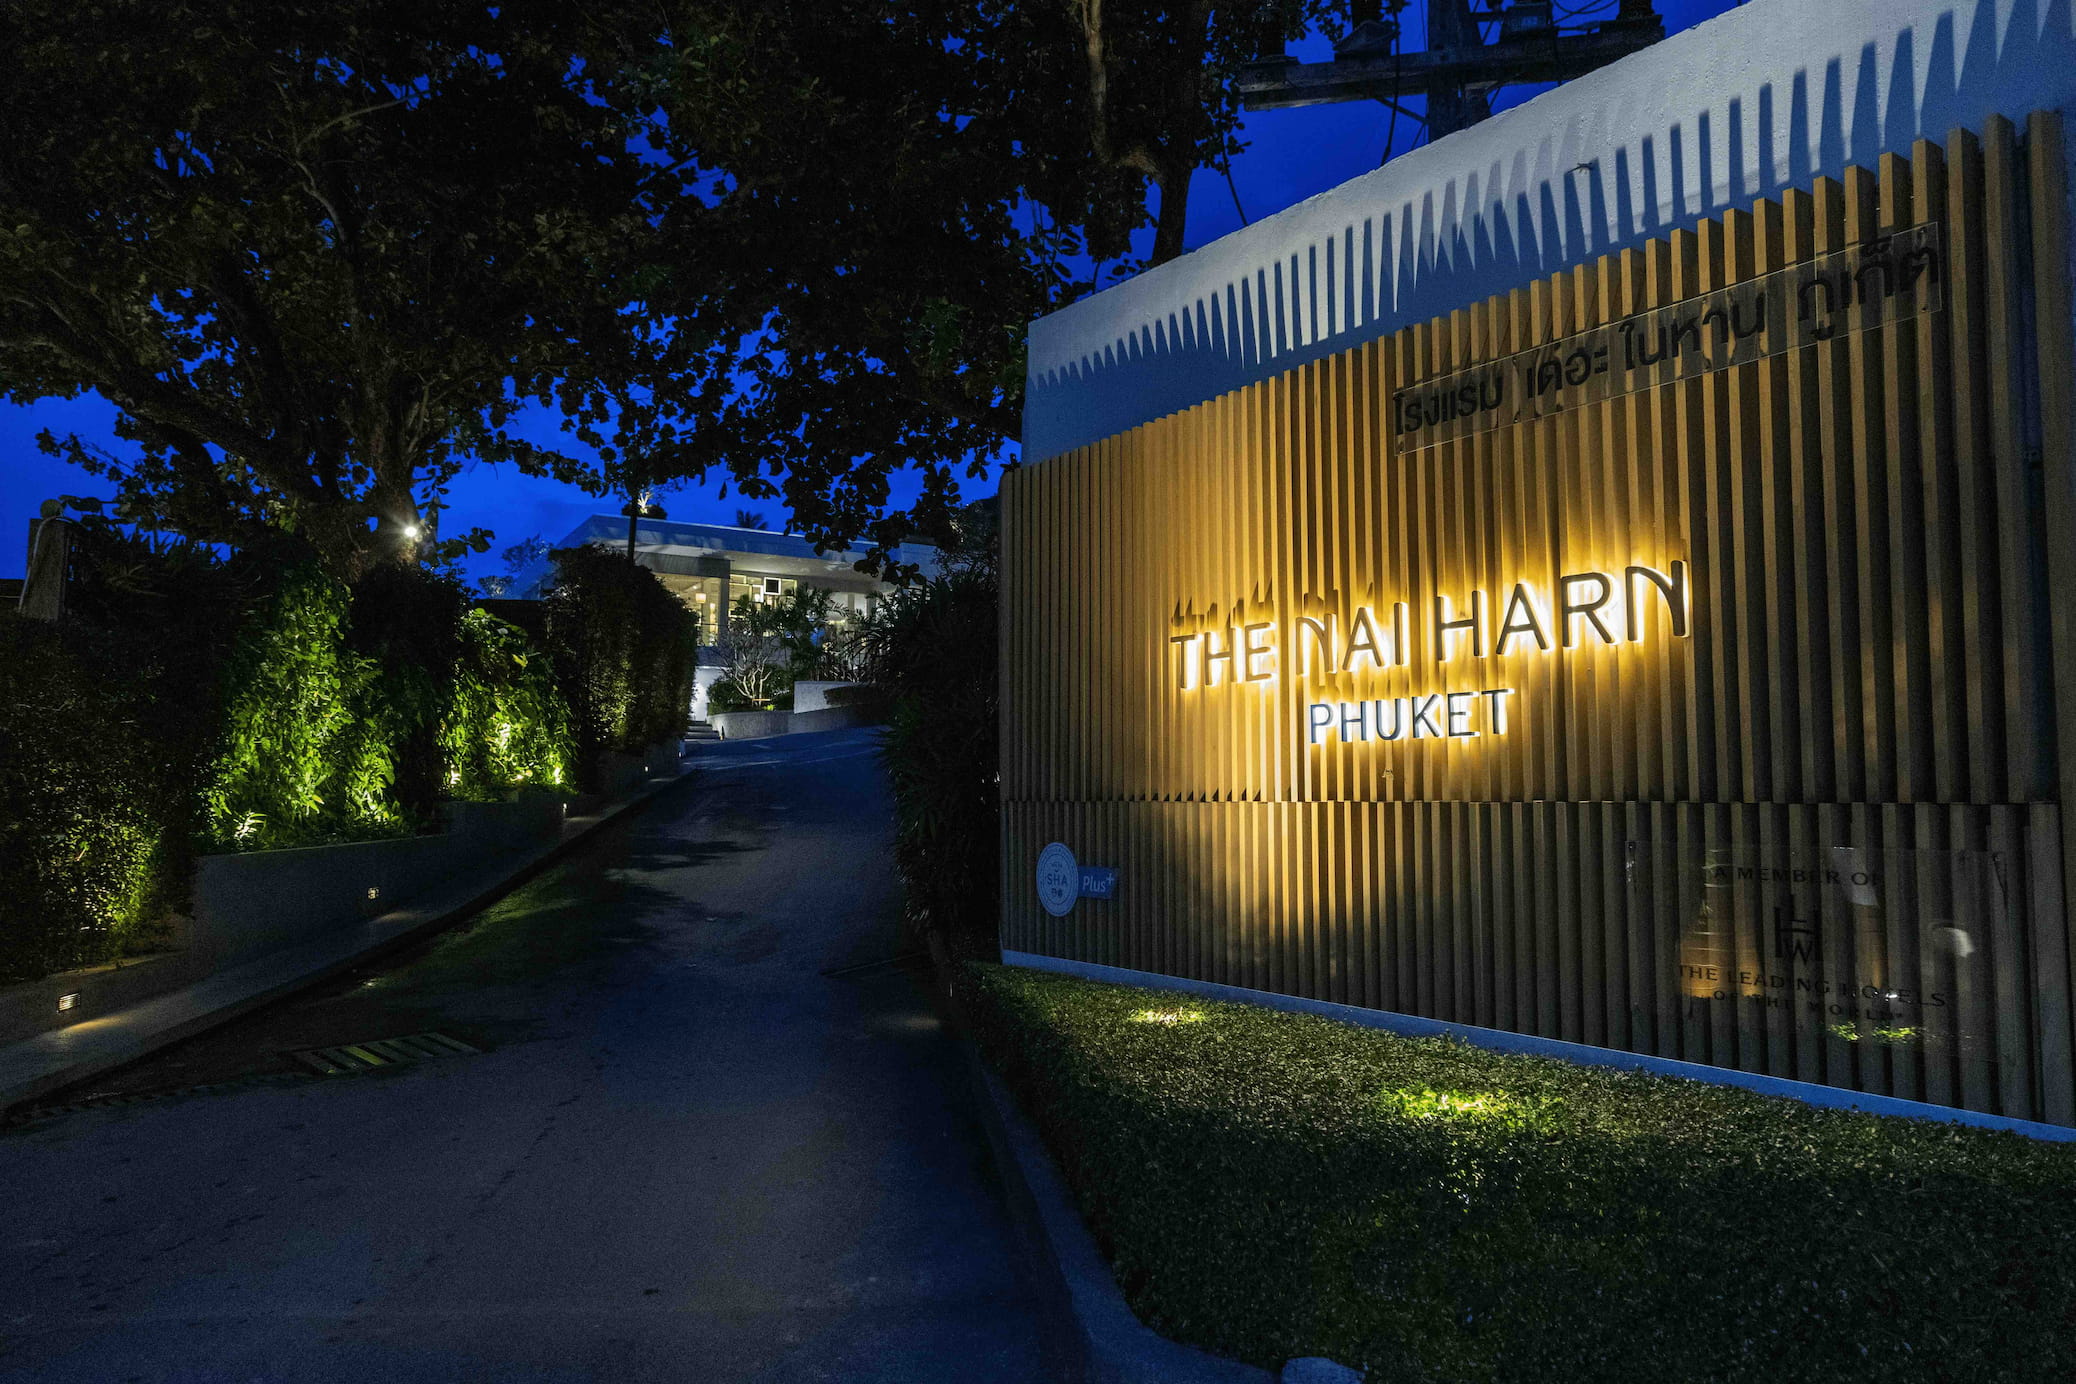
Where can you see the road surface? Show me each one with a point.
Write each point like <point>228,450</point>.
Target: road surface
<point>683,1153</point>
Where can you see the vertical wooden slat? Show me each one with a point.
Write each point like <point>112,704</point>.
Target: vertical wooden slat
<point>2055,357</point>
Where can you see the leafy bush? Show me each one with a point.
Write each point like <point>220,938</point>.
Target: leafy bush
<point>1272,1185</point>
<point>622,648</point>
<point>350,715</point>
<point>931,651</point>
<point>304,752</point>
<point>724,696</point>
<point>407,619</point>
<point>507,725</point>
<point>83,835</point>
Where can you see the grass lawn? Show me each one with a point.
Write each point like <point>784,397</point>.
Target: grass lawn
<point>1270,1185</point>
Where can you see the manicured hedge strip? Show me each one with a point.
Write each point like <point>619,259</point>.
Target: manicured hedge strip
<point>83,811</point>
<point>1272,1185</point>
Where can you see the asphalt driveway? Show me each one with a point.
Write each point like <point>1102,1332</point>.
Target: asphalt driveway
<point>684,1151</point>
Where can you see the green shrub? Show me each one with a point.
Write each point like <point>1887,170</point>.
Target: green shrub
<point>1272,1185</point>
<point>622,647</point>
<point>82,831</point>
<point>406,619</point>
<point>304,753</point>
<point>931,651</point>
<point>507,725</point>
<point>193,703</point>
<point>725,696</point>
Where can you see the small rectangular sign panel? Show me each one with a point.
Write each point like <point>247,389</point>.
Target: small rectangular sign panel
<point>1896,275</point>
<point>1098,882</point>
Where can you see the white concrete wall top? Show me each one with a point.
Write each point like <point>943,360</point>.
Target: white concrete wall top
<point>1765,97</point>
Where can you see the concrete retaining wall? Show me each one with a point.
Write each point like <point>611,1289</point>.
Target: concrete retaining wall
<point>32,1007</point>
<point>761,725</point>
<point>252,903</point>
<point>814,696</point>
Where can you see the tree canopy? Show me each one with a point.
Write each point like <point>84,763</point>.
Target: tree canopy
<point>320,253</point>
<point>893,192</point>
<point>316,252</point>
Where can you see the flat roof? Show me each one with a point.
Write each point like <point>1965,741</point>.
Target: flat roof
<point>757,551</point>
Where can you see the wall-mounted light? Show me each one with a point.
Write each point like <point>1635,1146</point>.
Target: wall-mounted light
<point>66,1002</point>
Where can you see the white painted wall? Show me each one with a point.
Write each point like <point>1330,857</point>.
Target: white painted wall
<point>814,696</point>
<point>1765,97</point>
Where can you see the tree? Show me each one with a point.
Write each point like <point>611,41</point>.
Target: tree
<point>320,252</point>
<point>751,519</point>
<point>753,659</point>
<point>888,194</point>
<point>1158,100</point>
<point>517,558</point>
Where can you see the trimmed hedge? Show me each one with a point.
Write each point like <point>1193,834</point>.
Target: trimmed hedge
<point>508,725</point>
<point>1271,1185</point>
<point>189,703</point>
<point>305,756</point>
<point>82,819</point>
<point>623,649</point>
<point>932,654</point>
<point>349,714</point>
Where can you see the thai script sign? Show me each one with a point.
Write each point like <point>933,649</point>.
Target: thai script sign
<point>1898,275</point>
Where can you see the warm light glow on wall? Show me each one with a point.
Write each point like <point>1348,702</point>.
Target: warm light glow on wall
<point>1593,607</point>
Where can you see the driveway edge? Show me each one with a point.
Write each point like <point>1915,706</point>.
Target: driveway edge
<point>35,1067</point>
<point>1101,1339</point>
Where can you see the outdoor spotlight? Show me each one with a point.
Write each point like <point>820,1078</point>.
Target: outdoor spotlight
<point>411,532</point>
<point>66,1002</point>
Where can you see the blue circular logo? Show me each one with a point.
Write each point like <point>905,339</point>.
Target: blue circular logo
<point>1059,880</point>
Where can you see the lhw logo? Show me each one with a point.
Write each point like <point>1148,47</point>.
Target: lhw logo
<point>1793,938</point>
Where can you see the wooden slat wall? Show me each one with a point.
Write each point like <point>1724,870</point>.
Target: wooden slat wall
<point>1883,596</point>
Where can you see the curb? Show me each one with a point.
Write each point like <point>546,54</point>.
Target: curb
<point>35,1067</point>
<point>1101,1339</point>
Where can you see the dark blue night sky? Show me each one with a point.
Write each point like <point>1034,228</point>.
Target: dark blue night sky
<point>1292,155</point>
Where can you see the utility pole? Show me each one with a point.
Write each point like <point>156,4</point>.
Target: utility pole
<point>1452,107</point>
<point>1456,74</point>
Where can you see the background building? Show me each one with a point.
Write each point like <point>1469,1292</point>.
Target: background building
<point>711,567</point>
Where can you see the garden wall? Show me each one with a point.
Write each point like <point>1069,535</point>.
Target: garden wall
<point>252,903</point>
<point>762,725</point>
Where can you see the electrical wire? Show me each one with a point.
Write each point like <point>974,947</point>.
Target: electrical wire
<point>1229,187</point>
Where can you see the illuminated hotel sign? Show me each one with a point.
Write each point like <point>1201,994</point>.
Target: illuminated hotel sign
<point>1588,607</point>
<point>1668,654</point>
<point>1894,276</point>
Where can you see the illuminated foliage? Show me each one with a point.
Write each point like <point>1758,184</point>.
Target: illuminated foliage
<point>622,648</point>
<point>508,725</point>
<point>1272,1185</point>
<point>82,829</point>
<point>297,765</point>
<point>348,715</point>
